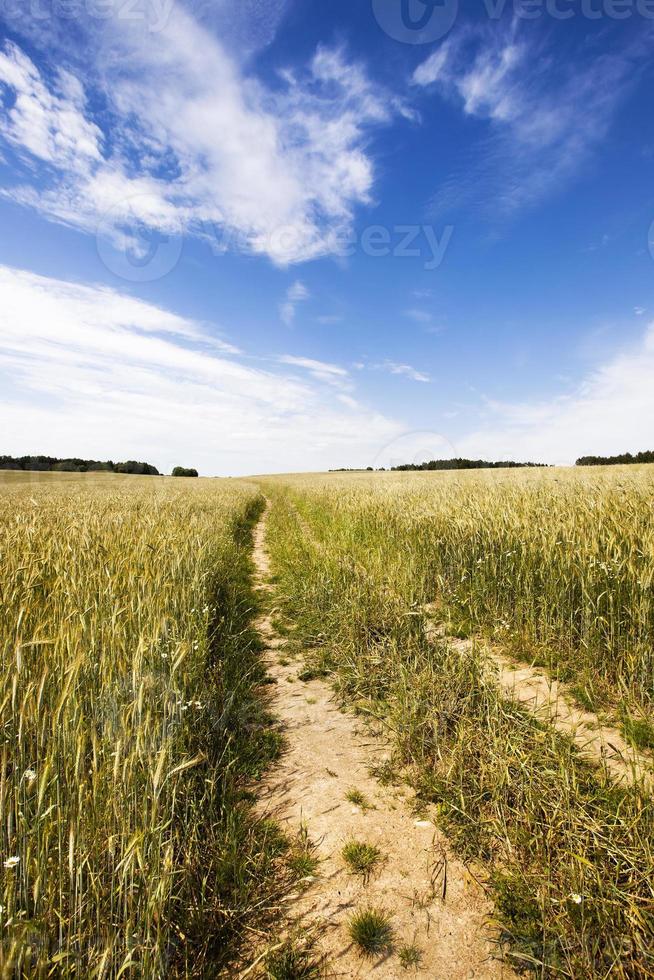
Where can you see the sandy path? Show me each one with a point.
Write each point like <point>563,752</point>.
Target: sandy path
<point>601,743</point>
<point>435,901</point>
<point>547,699</point>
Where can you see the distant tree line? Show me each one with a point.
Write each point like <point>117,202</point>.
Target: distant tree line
<point>646,457</point>
<point>463,464</point>
<point>184,471</point>
<point>51,464</point>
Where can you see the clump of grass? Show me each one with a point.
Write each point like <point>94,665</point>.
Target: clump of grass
<point>409,956</point>
<point>303,860</point>
<point>276,841</point>
<point>584,695</point>
<point>295,960</point>
<point>384,772</point>
<point>638,731</point>
<point>312,674</point>
<point>303,864</point>
<point>357,798</point>
<point>371,930</point>
<point>360,857</point>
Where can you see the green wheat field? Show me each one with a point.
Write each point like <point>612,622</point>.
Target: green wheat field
<point>135,726</point>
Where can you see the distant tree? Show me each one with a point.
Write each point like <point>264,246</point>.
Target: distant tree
<point>140,469</point>
<point>184,471</point>
<point>644,457</point>
<point>463,464</point>
<point>51,463</point>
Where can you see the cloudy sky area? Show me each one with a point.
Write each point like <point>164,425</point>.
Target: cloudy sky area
<point>256,237</point>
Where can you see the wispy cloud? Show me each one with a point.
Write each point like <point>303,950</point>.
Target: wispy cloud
<point>321,370</point>
<point>87,371</point>
<point>392,367</point>
<point>190,141</point>
<point>544,112</point>
<point>297,293</point>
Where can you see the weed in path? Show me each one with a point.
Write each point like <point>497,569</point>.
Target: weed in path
<point>384,772</point>
<point>409,955</point>
<point>312,674</point>
<point>361,858</point>
<point>357,798</point>
<point>303,860</point>
<point>371,930</point>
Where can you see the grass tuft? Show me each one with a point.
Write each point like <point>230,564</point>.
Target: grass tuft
<point>639,732</point>
<point>357,798</point>
<point>295,960</point>
<point>361,858</point>
<point>371,930</point>
<point>409,956</point>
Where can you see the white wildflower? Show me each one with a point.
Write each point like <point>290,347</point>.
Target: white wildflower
<point>576,898</point>
<point>29,775</point>
<point>11,862</point>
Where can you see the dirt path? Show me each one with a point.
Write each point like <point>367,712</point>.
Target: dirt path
<point>601,743</point>
<point>435,902</point>
<point>598,741</point>
<point>547,699</point>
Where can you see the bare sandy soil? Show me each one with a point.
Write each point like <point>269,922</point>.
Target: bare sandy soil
<point>597,741</point>
<point>436,903</point>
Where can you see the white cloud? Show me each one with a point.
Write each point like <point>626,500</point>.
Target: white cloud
<point>297,293</point>
<point>190,140</point>
<point>404,369</point>
<point>47,124</point>
<point>322,371</point>
<point>544,115</point>
<point>609,413</point>
<point>434,67</point>
<point>639,310</point>
<point>86,371</point>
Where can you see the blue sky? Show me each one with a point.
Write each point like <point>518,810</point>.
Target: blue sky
<point>269,236</point>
